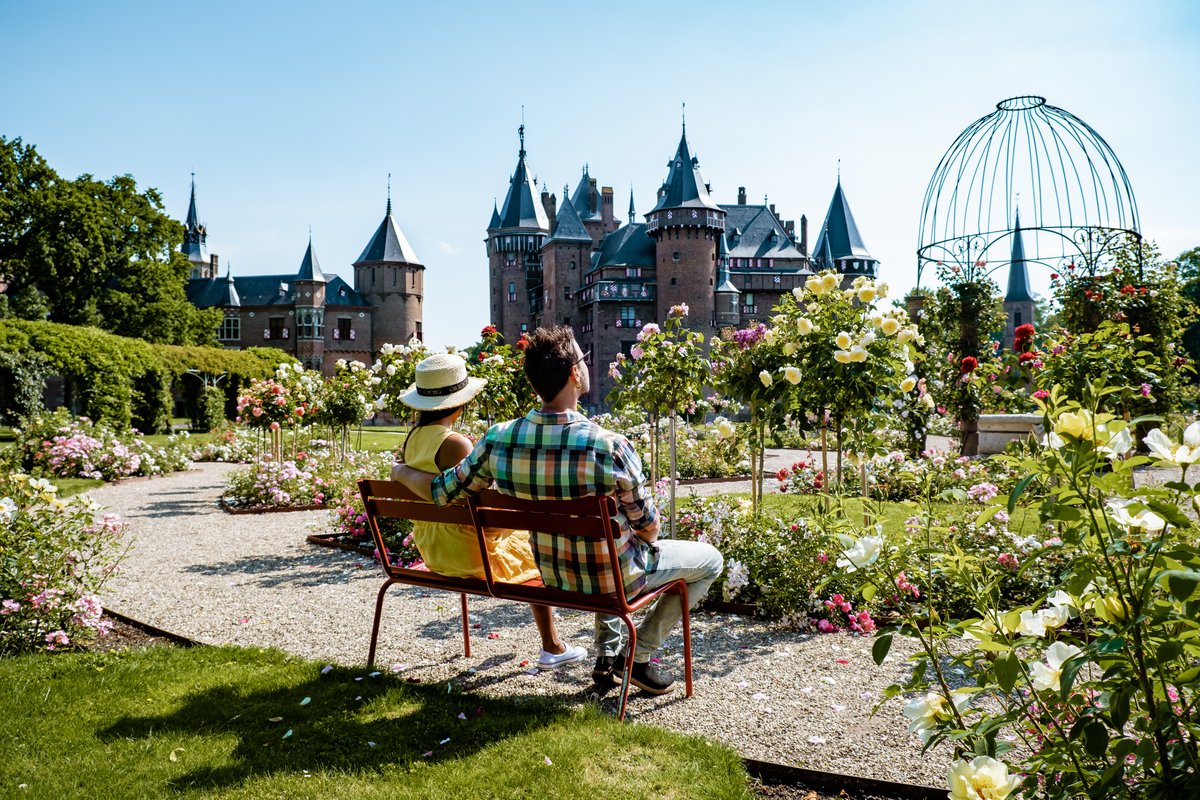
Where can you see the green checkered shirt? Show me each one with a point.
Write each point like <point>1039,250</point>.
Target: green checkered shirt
<point>561,456</point>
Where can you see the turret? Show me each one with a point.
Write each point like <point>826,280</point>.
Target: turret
<point>391,278</point>
<point>726,295</point>
<point>686,224</point>
<point>195,241</point>
<point>840,246</point>
<point>310,309</point>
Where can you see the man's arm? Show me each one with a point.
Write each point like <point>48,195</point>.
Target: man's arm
<point>414,480</point>
<point>631,494</point>
<point>471,475</point>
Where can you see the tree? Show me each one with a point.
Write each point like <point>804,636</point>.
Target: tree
<point>1189,289</point>
<point>99,252</point>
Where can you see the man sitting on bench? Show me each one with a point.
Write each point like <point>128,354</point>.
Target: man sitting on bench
<point>556,453</point>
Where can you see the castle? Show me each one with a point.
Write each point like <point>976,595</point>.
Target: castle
<point>317,319</point>
<point>573,263</point>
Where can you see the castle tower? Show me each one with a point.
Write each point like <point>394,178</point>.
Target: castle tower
<point>726,299</point>
<point>391,279</point>
<point>839,244</point>
<point>310,310</point>
<point>686,225</point>
<point>195,242</point>
<point>565,257</point>
<point>594,206</point>
<point>514,243</point>
<point>1018,300</point>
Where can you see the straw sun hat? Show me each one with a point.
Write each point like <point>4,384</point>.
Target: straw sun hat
<point>441,383</point>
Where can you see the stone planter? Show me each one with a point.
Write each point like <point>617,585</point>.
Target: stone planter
<point>997,430</point>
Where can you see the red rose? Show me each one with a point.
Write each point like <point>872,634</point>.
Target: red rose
<point>1025,358</point>
<point>523,342</point>
<point>968,365</point>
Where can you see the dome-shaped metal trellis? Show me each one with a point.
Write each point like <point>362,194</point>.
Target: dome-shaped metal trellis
<point>1036,163</point>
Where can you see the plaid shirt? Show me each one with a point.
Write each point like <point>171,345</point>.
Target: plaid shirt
<point>564,456</point>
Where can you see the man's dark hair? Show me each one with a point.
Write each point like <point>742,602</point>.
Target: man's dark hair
<point>549,357</point>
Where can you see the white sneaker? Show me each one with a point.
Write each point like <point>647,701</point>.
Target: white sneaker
<point>556,660</point>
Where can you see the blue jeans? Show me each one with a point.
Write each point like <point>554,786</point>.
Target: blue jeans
<point>697,563</point>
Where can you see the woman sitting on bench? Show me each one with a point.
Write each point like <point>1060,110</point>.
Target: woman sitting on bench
<point>441,390</point>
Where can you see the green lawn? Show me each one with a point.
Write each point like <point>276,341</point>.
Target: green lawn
<point>231,722</point>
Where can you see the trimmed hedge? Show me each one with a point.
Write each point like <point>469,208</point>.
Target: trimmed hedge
<point>113,379</point>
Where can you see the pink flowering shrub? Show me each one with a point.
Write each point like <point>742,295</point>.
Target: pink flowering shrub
<point>56,557</point>
<point>349,519</point>
<point>837,614</point>
<point>314,477</point>
<point>57,445</point>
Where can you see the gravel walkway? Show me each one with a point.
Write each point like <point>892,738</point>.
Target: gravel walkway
<point>251,580</point>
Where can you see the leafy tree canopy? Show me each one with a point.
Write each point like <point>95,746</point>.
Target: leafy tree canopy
<point>96,252</point>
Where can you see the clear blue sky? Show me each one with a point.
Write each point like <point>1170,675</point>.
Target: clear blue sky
<point>292,114</point>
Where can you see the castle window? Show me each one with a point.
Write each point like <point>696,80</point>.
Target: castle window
<point>567,291</point>
<point>420,332</point>
<point>524,327</point>
<point>1016,318</point>
<point>572,265</point>
<point>675,255</point>
<point>633,272</point>
<point>672,281</point>
<point>628,315</point>
<point>395,276</point>
<point>512,292</point>
<point>310,323</point>
<point>230,330</point>
<point>275,329</point>
<point>343,331</point>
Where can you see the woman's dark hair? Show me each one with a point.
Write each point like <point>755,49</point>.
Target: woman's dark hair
<point>426,418</point>
<point>549,357</point>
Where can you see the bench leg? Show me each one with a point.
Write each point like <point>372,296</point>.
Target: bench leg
<point>627,675</point>
<point>466,627</point>
<point>687,642</point>
<point>375,625</point>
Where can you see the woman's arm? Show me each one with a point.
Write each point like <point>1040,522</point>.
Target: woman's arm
<point>454,449</point>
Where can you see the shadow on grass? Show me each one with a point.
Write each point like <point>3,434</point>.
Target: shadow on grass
<point>352,722</point>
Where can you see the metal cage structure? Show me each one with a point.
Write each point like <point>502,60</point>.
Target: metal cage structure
<point>1034,168</point>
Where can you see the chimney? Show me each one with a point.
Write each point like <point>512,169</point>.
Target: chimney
<point>804,234</point>
<point>213,260</point>
<point>773,211</point>
<point>606,207</point>
<point>741,195</point>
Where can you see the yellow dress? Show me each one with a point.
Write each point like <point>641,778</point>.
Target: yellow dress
<point>453,550</point>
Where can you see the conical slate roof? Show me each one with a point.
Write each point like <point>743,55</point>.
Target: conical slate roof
<point>568,227</point>
<point>839,237</point>
<point>195,237</point>
<point>310,269</point>
<point>521,206</point>
<point>724,284</point>
<point>388,243</point>
<point>586,199</point>
<point>684,187</point>
<point>495,223</point>
<point>1018,277</point>
<point>193,219</point>
<point>229,293</point>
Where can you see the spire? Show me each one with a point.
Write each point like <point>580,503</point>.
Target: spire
<point>568,227</point>
<point>495,223</point>
<point>586,199</point>
<point>522,208</point>
<point>684,187</point>
<point>632,212</point>
<point>310,269</point>
<point>229,294</point>
<point>839,237</point>
<point>195,236</point>
<point>1018,276</point>
<point>388,243</point>
<point>389,202</point>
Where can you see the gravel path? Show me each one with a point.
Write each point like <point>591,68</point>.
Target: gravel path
<point>251,580</point>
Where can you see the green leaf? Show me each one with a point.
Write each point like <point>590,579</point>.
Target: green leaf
<point>867,592</point>
<point>1069,670</point>
<point>1019,489</point>
<point>1095,738</point>
<point>1114,645</point>
<point>1170,512</point>
<point>1007,668</point>
<point>1118,708</point>
<point>880,648</point>
<point>1182,584</point>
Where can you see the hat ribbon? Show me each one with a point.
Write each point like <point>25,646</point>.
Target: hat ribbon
<point>442,391</point>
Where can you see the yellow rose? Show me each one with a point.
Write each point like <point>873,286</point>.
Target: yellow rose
<point>1077,424</point>
<point>805,326</point>
<point>1112,609</point>
<point>866,294</point>
<point>843,340</point>
<point>841,356</point>
<point>789,349</point>
<point>815,285</point>
<point>882,289</point>
<point>858,354</point>
<point>798,292</point>
<point>906,335</point>
<point>791,375</point>
<point>830,281</point>
<point>908,384</point>
<point>765,377</point>
<point>890,327</point>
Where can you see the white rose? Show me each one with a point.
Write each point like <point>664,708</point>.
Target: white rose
<point>791,375</point>
<point>1031,624</point>
<point>789,349</point>
<point>890,327</point>
<point>841,356</point>
<point>725,428</point>
<point>798,293</point>
<point>765,377</point>
<point>391,369</point>
<point>867,339</point>
<point>858,354</point>
<point>982,778</point>
<point>860,553</point>
<point>1047,675</point>
<point>1055,617</point>
<point>906,335</point>
<point>805,326</point>
<point>843,340</point>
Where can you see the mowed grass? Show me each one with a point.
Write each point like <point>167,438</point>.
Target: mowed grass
<point>245,723</point>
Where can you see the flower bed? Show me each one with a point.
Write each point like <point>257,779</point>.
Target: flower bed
<point>57,445</point>
<point>312,478</point>
<point>894,476</point>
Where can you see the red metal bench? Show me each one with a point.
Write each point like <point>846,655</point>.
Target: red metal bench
<point>590,517</point>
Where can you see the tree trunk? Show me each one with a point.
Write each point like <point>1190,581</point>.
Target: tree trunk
<point>674,474</point>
